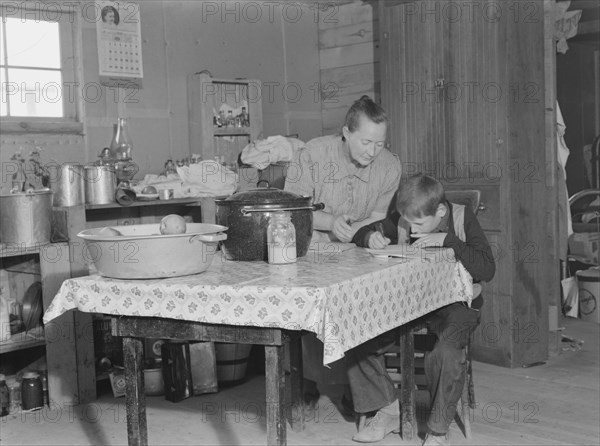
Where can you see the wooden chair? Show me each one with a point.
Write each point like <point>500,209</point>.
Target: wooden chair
<point>405,362</point>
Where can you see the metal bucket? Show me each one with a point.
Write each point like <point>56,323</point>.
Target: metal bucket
<point>26,217</point>
<point>100,184</point>
<point>67,184</point>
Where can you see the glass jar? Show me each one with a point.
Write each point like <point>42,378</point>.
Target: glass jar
<point>121,145</point>
<point>32,392</point>
<point>281,238</point>
<point>4,397</point>
<point>230,119</point>
<point>14,389</point>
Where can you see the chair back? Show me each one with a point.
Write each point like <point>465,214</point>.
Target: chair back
<point>466,197</point>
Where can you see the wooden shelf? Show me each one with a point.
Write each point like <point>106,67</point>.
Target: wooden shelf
<point>232,131</point>
<point>207,96</point>
<point>23,340</point>
<point>12,249</point>
<point>156,202</point>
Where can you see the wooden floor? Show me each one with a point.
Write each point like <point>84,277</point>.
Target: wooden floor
<point>557,403</point>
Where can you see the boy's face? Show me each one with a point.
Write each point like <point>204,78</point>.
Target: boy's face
<point>429,223</point>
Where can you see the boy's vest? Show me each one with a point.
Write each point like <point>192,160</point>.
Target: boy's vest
<point>458,220</point>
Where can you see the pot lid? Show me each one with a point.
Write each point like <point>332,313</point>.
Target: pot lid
<point>264,195</point>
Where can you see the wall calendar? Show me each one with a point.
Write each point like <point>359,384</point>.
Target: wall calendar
<point>118,31</point>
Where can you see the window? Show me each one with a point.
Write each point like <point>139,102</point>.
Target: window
<point>37,67</point>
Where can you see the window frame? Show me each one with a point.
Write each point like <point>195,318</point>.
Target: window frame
<point>71,69</point>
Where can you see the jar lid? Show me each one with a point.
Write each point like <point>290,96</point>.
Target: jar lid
<point>30,375</point>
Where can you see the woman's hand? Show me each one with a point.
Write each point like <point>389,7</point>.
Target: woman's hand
<point>378,241</point>
<point>341,228</point>
<point>429,239</point>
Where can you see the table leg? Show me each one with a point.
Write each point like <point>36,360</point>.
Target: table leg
<point>296,403</point>
<point>135,399</point>
<point>275,390</point>
<point>408,419</point>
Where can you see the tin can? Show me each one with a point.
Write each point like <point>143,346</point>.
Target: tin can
<point>32,392</point>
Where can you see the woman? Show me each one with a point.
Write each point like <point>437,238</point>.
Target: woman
<point>352,173</point>
<point>355,177</point>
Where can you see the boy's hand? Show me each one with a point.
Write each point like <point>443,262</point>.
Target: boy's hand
<point>377,241</point>
<point>429,239</point>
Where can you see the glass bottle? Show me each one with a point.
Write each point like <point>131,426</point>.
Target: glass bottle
<point>230,119</point>
<point>4,397</point>
<point>32,392</point>
<point>245,118</point>
<point>121,145</point>
<point>281,238</point>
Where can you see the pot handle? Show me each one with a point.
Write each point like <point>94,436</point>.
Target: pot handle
<point>314,207</point>
<point>209,238</point>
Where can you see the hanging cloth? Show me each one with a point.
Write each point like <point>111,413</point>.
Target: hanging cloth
<point>565,225</point>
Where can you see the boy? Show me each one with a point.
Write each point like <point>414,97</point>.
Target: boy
<point>425,216</point>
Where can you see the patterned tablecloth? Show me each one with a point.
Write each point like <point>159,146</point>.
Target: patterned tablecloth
<point>346,298</point>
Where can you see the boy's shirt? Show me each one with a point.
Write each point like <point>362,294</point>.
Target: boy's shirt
<point>474,253</point>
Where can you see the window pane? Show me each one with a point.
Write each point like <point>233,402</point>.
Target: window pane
<point>3,107</point>
<point>1,42</point>
<point>32,44</point>
<point>35,93</point>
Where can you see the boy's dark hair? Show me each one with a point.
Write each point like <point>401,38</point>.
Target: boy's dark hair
<point>419,196</point>
<point>364,106</point>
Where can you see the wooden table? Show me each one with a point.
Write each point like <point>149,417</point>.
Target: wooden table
<point>346,298</point>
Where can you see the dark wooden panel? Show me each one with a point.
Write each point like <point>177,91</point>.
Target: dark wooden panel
<point>188,330</point>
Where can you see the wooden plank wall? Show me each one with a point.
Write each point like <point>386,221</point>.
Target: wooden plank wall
<point>348,56</point>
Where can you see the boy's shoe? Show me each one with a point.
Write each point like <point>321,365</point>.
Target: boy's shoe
<point>385,421</point>
<point>437,440</point>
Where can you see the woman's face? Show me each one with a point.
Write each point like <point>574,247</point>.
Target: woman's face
<point>366,141</point>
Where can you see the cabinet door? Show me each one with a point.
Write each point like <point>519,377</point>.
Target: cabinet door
<point>444,87</point>
<point>412,59</point>
<point>474,92</point>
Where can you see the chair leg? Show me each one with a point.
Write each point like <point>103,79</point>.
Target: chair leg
<point>467,398</point>
<point>466,410</point>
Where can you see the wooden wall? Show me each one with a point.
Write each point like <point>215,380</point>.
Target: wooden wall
<point>348,57</point>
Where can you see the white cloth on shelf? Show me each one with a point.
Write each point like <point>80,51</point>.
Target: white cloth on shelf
<point>274,149</point>
<point>207,179</point>
<point>203,179</point>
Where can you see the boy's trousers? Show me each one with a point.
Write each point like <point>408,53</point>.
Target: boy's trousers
<point>445,366</point>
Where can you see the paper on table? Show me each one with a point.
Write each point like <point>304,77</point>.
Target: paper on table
<point>331,247</point>
<point>406,251</point>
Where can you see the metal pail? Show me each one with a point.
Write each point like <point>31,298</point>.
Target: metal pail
<point>26,217</point>
<point>100,184</point>
<point>67,184</point>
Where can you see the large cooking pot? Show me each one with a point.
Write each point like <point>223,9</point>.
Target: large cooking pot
<point>247,216</point>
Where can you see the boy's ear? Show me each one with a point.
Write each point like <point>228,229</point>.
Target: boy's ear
<point>345,132</point>
<point>442,210</point>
